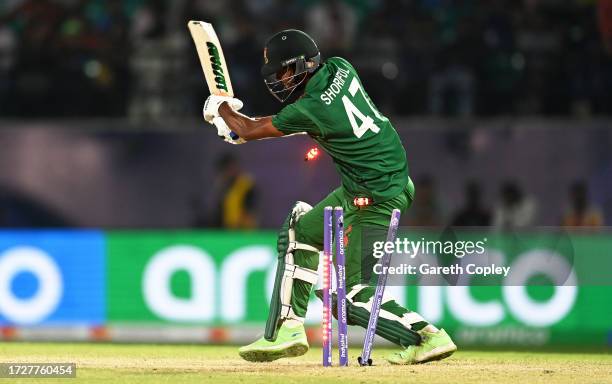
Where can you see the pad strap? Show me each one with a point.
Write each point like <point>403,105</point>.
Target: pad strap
<point>293,271</point>
<point>287,313</point>
<point>293,245</point>
<point>355,290</point>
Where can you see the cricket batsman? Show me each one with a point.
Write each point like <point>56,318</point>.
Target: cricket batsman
<point>326,100</point>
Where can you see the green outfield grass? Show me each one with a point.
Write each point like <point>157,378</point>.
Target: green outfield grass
<point>175,364</point>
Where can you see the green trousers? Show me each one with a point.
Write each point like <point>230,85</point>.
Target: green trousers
<point>309,230</point>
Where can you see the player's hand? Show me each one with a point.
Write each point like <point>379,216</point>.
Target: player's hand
<point>225,133</point>
<point>211,106</point>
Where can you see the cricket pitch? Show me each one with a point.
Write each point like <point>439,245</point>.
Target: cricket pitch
<point>130,363</point>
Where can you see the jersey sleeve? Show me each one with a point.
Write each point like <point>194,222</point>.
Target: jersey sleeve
<point>295,119</point>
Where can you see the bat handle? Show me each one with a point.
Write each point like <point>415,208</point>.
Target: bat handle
<point>234,136</point>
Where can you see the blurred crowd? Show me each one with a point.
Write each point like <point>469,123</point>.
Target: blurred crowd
<point>441,57</point>
<point>135,59</point>
<point>514,209</point>
<point>235,206</point>
<point>231,202</point>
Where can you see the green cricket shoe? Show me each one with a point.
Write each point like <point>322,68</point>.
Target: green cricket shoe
<point>290,342</point>
<point>434,346</point>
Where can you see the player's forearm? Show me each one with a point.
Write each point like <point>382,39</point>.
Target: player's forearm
<point>238,123</point>
<point>246,127</point>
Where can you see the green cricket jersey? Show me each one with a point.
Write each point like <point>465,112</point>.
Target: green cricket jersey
<point>337,112</point>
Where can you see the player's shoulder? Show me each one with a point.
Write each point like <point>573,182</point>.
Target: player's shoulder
<point>339,61</point>
<point>337,64</point>
<point>328,82</point>
<point>334,69</point>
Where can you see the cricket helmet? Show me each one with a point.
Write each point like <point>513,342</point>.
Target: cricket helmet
<point>288,49</point>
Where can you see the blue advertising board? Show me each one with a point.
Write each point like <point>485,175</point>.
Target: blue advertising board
<point>52,277</point>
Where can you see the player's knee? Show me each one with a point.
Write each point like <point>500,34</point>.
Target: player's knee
<point>303,234</point>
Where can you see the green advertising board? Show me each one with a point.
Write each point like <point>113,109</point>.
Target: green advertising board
<point>183,277</point>
<point>215,278</point>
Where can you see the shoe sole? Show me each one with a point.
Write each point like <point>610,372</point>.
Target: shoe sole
<point>439,353</point>
<point>435,354</point>
<point>267,355</point>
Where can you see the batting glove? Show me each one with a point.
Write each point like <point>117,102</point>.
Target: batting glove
<point>211,106</point>
<point>225,133</point>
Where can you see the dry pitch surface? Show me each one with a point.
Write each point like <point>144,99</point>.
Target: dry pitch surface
<point>203,364</point>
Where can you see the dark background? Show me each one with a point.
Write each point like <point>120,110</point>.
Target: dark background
<point>100,105</point>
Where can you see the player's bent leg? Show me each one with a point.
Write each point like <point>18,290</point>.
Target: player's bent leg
<point>395,323</point>
<point>296,273</point>
<point>422,341</point>
<point>288,271</point>
<point>308,236</point>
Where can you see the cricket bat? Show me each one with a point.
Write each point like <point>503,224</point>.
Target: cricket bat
<point>212,60</point>
<point>211,57</point>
